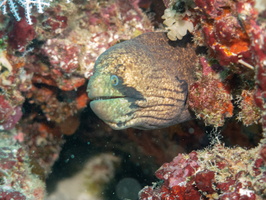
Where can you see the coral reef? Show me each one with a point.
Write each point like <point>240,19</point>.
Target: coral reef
<point>47,58</point>
<point>11,99</point>
<point>250,112</point>
<point>48,62</point>
<point>17,181</point>
<point>214,173</point>
<point>212,106</point>
<point>258,40</point>
<point>62,64</point>
<point>234,34</point>
<point>45,62</point>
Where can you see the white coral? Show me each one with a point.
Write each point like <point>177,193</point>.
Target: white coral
<point>26,4</point>
<point>176,26</point>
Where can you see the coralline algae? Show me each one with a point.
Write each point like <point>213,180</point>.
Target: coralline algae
<point>214,173</point>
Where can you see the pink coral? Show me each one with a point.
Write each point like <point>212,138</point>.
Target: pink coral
<point>56,23</point>
<point>6,111</point>
<point>12,119</point>
<point>10,112</point>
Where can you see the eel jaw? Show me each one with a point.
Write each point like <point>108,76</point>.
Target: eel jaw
<point>106,98</point>
<point>115,111</point>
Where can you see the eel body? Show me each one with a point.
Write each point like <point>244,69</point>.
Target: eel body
<point>143,82</point>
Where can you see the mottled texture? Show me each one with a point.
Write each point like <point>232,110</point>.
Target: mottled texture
<point>218,172</point>
<point>143,82</point>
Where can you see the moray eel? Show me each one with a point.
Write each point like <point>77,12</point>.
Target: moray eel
<point>143,82</point>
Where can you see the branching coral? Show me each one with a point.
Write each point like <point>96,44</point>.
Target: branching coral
<point>26,4</point>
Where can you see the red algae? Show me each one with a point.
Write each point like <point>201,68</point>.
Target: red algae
<point>197,176</point>
<point>20,35</point>
<point>234,35</point>
<point>222,29</point>
<point>204,181</point>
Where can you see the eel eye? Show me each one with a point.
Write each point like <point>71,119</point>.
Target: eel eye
<point>114,80</point>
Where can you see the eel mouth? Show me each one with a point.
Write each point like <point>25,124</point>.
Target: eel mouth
<point>111,109</point>
<point>107,98</point>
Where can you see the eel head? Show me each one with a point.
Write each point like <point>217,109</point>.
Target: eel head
<point>133,86</point>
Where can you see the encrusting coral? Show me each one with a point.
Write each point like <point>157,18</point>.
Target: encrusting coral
<point>218,172</point>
